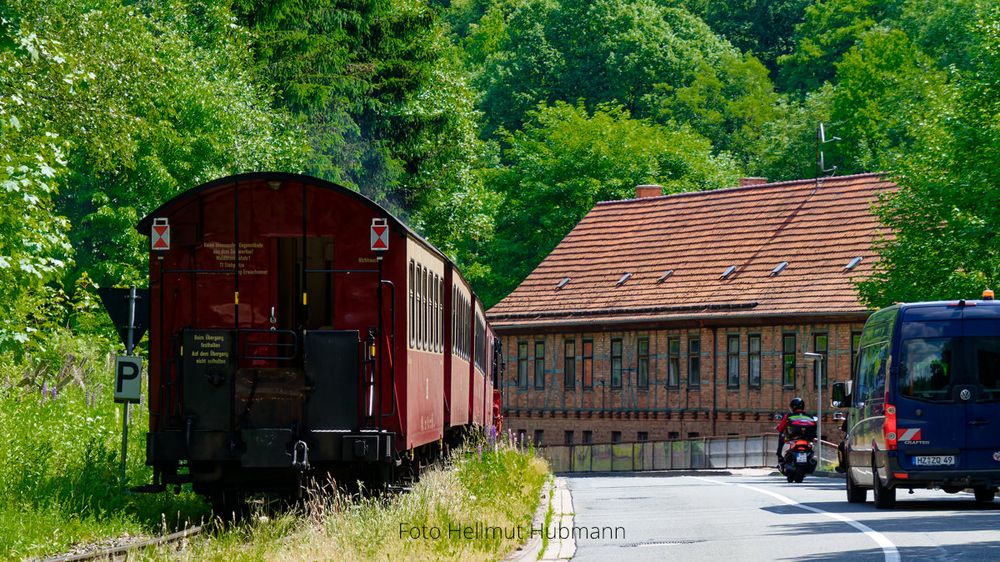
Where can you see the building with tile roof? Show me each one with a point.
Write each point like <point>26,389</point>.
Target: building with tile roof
<point>688,315</point>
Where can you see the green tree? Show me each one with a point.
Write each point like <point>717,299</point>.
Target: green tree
<point>885,87</point>
<point>608,51</point>
<point>830,28</point>
<point>943,221</point>
<point>142,119</point>
<point>729,103</point>
<point>765,28</point>
<point>566,159</point>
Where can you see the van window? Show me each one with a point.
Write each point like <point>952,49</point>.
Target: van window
<point>986,351</point>
<point>871,374</point>
<point>927,368</point>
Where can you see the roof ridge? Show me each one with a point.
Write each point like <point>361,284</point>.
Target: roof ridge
<point>747,187</point>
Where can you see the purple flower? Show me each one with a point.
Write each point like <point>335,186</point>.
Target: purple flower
<point>45,390</point>
<point>479,450</point>
<point>53,392</point>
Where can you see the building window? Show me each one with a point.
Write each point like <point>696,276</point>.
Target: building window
<point>522,364</point>
<point>642,372</point>
<point>616,363</point>
<point>788,361</point>
<point>567,438</point>
<point>539,437</point>
<point>753,363</point>
<point>616,437</point>
<point>694,362</point>
<point>588,364</point>
<point>569,365</point>
<point>673,362</point>
<point>693,435</point>
<point>673,435</point>
<point>820,345</point>
<point>855,346</point>
<point>733,361</point>
<point>539,365</point>
<point>588,437</point>
<point>642,436</point>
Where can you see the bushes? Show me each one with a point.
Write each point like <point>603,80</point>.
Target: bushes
<point>60,457</point>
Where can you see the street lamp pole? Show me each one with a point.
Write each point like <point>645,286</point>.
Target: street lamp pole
<point>817,359</point>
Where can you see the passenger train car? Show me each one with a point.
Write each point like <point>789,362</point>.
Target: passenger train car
<point>298,328</point>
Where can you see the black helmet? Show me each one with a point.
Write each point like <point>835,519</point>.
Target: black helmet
<point>797,405</point>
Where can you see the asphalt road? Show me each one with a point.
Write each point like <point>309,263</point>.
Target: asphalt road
<point>756,516</point>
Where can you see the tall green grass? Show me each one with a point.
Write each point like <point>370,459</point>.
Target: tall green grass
<point>60,453</point>
<point>498,487</point>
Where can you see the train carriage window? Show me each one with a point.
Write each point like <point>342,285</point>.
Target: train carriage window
<point>426,310</point>
<point>434,314</point>
<point>413,308</point>
<point>440,313</point>
<point>423,307</point>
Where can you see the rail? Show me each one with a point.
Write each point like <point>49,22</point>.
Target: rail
<point>744,451</point>
<point>124,550</point>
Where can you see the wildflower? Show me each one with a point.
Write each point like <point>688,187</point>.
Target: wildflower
<point>479,451</point>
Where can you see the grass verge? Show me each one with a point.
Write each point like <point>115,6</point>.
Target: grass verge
<point>60,454</point>
<point>478,510</point>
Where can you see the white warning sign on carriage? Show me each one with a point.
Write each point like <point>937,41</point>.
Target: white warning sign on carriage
<point>380,235</point>
<point>160,238</point>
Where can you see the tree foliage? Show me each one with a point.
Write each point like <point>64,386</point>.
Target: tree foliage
<point>942,224</point>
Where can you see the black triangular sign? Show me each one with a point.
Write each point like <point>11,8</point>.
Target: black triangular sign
<point>116,303</point>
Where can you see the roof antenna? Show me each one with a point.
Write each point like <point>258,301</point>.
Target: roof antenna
<point>820,141</point>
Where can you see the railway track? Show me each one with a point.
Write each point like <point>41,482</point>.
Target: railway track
<point>121,552</point>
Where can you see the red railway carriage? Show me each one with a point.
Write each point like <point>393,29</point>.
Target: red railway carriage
<point>296,326</point>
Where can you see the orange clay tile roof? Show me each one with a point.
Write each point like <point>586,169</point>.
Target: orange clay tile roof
<point>817,228</point>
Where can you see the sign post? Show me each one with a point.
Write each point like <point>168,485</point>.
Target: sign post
<point>128,383</point>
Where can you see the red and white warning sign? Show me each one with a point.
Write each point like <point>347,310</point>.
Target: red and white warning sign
<point>380,235</point>
<point>160,239</point>
<point>912,434</point>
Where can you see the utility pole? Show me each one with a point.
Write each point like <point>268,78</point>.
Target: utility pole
<point>817,359</point>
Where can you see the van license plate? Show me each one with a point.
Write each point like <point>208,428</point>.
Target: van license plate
<point>937,460</point>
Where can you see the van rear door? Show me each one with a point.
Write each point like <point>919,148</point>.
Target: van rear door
<point>982,357</point>
<point>930,416</point>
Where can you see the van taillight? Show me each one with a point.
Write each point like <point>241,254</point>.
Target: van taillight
<point>889,427</point>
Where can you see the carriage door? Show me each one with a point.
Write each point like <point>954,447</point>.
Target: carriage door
<point>330,355</point>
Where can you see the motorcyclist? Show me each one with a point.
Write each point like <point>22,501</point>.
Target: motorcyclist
<point>796,411</point>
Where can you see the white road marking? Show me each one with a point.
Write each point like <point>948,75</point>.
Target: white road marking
<point>888,548</point>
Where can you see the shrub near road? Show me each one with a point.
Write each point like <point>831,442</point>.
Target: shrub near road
<point>59,471</point>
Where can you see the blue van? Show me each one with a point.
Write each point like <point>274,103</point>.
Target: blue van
<point>924,402</point>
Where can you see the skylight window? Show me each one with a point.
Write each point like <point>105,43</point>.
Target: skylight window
<point>779,268</point>
<point>623,279</point>
<point>663,277</point>
<point>853,263</point>
<point>729,271</point>
<point>562,283</point>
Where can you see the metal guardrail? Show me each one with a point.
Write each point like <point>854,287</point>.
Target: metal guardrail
<point>710,452</point>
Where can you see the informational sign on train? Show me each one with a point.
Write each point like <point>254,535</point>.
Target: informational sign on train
<point>210,348</point>
<point>128,383</point>
<point>380,235</point>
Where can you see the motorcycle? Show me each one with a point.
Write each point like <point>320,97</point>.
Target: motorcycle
<point>797,458</point>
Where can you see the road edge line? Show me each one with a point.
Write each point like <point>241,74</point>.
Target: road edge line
<point>889,550</point>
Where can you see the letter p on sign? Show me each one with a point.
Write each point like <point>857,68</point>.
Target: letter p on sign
<point>128,384</point>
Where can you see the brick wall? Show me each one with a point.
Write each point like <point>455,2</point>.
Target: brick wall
<point>703,404</point>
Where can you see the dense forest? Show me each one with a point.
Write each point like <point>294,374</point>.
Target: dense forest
<point>490,126</point>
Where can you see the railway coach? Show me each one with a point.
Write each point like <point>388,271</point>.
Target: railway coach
<point>297,328</point>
